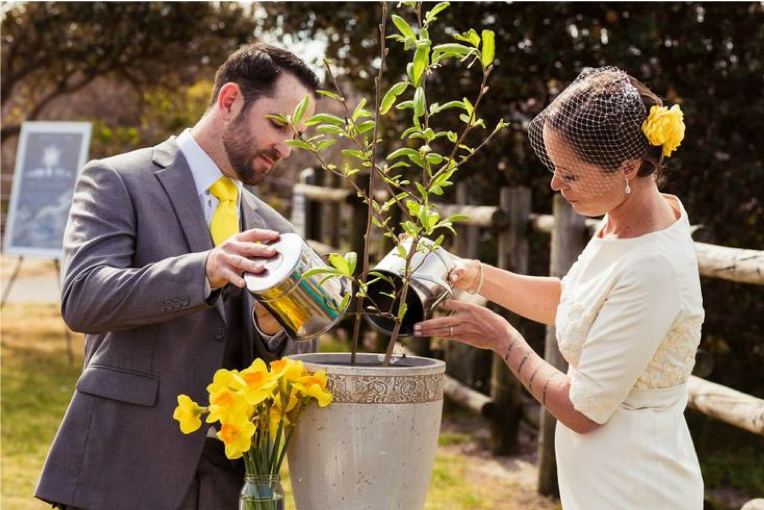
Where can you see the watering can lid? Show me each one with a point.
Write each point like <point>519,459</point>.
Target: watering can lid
<point>289,249</point>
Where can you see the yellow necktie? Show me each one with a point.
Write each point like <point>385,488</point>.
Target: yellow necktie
<point>225,219</point>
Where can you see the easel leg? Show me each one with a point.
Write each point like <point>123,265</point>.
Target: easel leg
<point>68,336</point>
<point>10,282</point>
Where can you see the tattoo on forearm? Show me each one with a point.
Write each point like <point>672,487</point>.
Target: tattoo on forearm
<point>522,362</point>
<point>509,351</point>
<point>546,385</point>
<point>530,382</point>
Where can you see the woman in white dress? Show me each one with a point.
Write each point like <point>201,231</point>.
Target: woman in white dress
<point>627,315</point>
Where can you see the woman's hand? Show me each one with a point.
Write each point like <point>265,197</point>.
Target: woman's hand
<point>470,324</point>
<point>466,275</point>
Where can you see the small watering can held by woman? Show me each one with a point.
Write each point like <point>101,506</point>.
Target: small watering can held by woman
<point>428,285</point>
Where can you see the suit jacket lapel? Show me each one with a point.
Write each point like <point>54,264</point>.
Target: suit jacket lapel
<point>178,182</point>
<point>250,217</point>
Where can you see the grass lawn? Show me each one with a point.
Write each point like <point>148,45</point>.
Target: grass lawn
<point>37,383</point>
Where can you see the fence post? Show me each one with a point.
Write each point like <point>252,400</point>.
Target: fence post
<point>331,222</point>
<point>568,240</point>
<point>506,391</point>
<point>301,206</point>
<point>467,364</point>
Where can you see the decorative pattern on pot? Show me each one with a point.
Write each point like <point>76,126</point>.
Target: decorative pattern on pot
<point>385,390</point>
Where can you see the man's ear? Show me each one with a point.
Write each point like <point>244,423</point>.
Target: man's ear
<point>229,99</point>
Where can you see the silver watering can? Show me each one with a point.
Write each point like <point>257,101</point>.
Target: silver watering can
<point>305,307</point>
<point>428,286</point>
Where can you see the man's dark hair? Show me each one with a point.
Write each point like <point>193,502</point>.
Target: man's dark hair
<point>255,68</point>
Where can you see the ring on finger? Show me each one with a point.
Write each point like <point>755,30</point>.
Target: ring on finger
<point>451,330</point>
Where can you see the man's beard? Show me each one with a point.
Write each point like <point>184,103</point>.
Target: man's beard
<point>240,146</point>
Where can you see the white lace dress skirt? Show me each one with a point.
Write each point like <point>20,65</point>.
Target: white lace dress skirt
<point>642,458</point>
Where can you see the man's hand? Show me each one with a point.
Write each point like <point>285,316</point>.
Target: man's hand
<point>227,262</point>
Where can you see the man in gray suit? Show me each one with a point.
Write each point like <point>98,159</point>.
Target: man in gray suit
<point>154,257</point>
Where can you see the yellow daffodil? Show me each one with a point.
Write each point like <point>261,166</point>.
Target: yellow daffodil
<point>314,385</point>
<point>228,406</point>
<point>237,437</point>
<point>665,127</point>
<point>226,380</point>
<point>188,414</point>
<point>259,382</point>
<point>287,369</point>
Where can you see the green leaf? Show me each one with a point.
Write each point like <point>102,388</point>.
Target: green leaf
<point>431,15</point>
<point>458,218</point>
<point>403,27</point>
<point>396,165</point>
<point>320,270</point>
<point>329,93</point>
<point>421,59</point>
<point>413,207</point>
<point>404,151</point>
<point>420,188</point>
<point>468,106</point>
<point>470,36</point>
<point>358,109</point>
<point>419,106</point>
<point>299,111</point>
<point>488,50</point>
<point>402,309</point>
<point>447,106</point>
<point>339,262</point>
<point>322,146</point>
<point>436,190</point>
<point>434,158</point>
<point>409,132</point>
<point>330,129</point>
<point>448,50</point>
<point>366,126</point>
<point>405,105</point>
<point>345,300</point>
<point>390,96</point>
<point>354,153</point>
<point>299,144</point>
<point>351,258</point>
<point>281,120</point>
<point>452,137</point>
<point>325,118</point>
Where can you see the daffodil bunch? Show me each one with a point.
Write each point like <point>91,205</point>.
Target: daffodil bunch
<point>257,409</point>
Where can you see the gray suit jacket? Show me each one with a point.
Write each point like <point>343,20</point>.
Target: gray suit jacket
<point>134,280</point>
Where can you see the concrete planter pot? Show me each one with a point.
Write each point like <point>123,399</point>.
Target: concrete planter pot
<point>373,448</point>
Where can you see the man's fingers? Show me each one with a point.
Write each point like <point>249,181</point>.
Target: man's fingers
<point>233,277</point>
<point>249,249</point>
<point>243,264</point>
<point>257,235</point>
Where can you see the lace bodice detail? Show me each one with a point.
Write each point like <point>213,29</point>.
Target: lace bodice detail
<point>672,362</point>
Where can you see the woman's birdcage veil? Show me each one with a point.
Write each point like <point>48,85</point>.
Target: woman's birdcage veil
<point>591,129</point>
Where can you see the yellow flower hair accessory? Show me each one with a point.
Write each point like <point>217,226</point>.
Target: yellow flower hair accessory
<point>664,127</point>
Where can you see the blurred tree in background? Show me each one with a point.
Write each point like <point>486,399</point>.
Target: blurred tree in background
<point>147,67</point>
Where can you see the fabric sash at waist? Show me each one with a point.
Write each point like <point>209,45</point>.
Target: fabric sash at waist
<point>659,399</point>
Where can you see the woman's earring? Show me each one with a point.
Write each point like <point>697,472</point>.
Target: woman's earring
<point>628,188</point>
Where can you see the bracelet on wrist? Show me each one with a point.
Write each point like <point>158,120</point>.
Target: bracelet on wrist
<point>476,290</point>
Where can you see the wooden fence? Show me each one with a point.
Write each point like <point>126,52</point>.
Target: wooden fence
<point>317,210</point>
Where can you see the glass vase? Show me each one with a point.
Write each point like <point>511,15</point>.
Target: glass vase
<point>262,492</point>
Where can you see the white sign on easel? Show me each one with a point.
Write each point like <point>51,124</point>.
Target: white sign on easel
<point>48,160</point>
